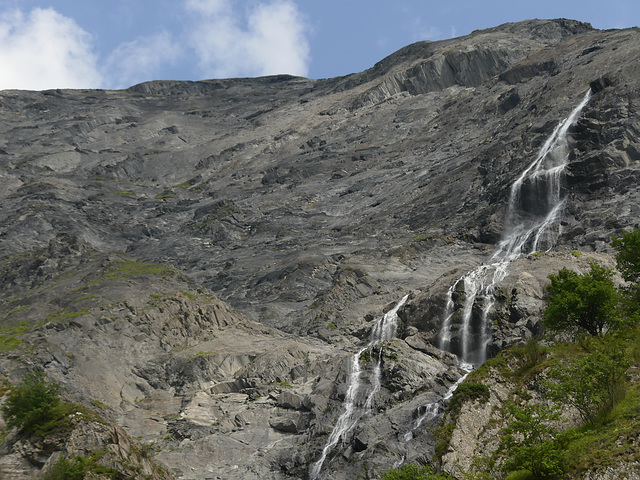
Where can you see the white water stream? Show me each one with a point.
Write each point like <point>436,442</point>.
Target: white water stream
<point>535,205</point>
<point>431,410</point>
<point>383,331</point>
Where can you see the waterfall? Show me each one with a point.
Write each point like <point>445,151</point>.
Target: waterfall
<point>383,331</point>
<point>444,338</point>
<point>431,410</point>
<point>535,205</point>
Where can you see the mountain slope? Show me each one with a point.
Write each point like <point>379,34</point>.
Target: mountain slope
<point>302,210</point>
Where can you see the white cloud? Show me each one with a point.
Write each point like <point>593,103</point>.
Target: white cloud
<point>269,38</point>
<point>43,50</point>
<point>427,32</point>
<point>141,59</point>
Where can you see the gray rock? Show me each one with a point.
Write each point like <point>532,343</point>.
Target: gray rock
<point>280,217</point>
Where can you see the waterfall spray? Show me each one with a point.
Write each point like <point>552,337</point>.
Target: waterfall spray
<point>383,331</point>
<point>534,208</point>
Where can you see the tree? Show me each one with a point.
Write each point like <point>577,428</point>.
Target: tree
<point>628,256</point>
<point>628,262</point>
<point>593,384</point>
<point>582,302</point>
<point>532,442</point>
<point>31,403</point>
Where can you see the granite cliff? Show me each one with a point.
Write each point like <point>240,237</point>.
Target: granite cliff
<point>200,261</point>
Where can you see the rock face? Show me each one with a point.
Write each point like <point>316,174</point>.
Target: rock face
<point>201,260</point>
<point>116,455</point>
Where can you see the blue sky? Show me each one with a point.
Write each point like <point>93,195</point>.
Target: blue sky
<point>118,43</point>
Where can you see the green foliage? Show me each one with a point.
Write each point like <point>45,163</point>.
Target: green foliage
<point>443,436</point>
<point>592,383</point>
<point>78,467</point>
<point>66,469</point>
<point>32,402</point>
<point>628,255</point>
<point>628,262</point>
<point>531,442</point>
<point>165,194</point>
<point>18,309</point>
<point>365,356</point>
<point>125,269</point>
<point>520,475</point>
<point>422,237</point>
<point>411,471</point>
<point>9,335</point>
<point>467,391</point>
<point>611,442</point>
<point>531,354</point>
<point>582,302</point>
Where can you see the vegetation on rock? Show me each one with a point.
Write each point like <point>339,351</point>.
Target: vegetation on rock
<point>411,471</point>
<point>582,302</point>
<point>31,404</point>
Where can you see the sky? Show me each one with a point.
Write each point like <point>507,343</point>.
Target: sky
<point>118,43</point>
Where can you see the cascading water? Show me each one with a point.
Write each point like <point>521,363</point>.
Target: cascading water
<point>383,331</point>
<point>431,410</point>
<point>535,205</point>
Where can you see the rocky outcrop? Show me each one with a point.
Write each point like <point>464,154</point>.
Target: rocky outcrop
<point>112,452</point>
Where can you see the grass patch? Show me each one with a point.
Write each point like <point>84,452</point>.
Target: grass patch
<point>80,467</point>
<point>124,269</point>
<point>198,355</point>
<point>65,315</point>
<point>610,443</point>
<point>422,237</point>
<point>16,310</point>
<point>165,194</point>
<point>87,297</point>
<point>9,335</point>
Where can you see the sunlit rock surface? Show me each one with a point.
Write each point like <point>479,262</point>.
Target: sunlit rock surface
<point>199,261</point>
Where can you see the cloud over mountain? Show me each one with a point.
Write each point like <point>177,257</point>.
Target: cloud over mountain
<point>44,49</point>
<point>269,38</point>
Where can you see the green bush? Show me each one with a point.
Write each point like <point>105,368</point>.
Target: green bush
<point>66,469</point>
<point>628,262</point>
<point>530,354</point>
<point>593,383</point>
<point>411,471</point>
<point>520,475</point>
<point>467,391</point>
<point>32,402</point>
<point>78,467</point>
<point>628,255</point>
<point>582,302</point>
<point>531,442</point>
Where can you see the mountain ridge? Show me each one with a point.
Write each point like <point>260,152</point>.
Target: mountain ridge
<point>304,209</point>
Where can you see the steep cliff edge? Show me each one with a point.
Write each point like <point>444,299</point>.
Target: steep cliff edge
<point>201,261</point>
